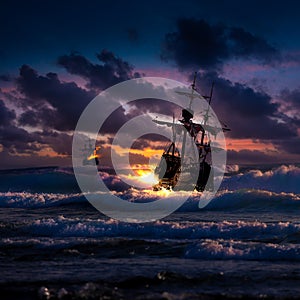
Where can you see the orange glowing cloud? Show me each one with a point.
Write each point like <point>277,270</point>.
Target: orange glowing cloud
<point>49,152</point>
<point>249,144</point>
<point>146,152</point>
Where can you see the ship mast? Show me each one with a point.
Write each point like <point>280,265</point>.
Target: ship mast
<point>175,164</point>
<point>191,96</point>
<point>206,115</point>
<point>193,89</point>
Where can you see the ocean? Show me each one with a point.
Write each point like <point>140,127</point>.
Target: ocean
<point>245,244</point>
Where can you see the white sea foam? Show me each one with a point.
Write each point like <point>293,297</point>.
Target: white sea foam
<point>281,179</point>
<point>274,189</point>
<point>230,249</point>
<point>84,227</point>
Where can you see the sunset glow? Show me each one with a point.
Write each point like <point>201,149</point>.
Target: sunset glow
<point>150,150</point>
<point>146,176</point>
<point>249,144</point>
<point>256,76</point>
<point>146,152</point>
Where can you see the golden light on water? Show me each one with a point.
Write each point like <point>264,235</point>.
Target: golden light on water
<point>163,192</point>
<point>146,176</point>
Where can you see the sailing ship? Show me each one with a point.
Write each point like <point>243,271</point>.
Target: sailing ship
<point>175,171</point>
<point>91,155</point>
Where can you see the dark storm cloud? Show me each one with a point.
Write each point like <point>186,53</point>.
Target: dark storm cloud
<point>31,118</point>
<point>196,43</point>
<point>137,107</point>
<point>291,101</point>
<point>9,161</point>
<point>251,157</point>
<point>60,142</point>
<point>50,102</point>
<point>112,70</point>
<point>291,145</point>
<point>249,113</point>
<point>12,137</point>
<point>152,105</point>
<point>18,140</point>
<point>6,115</point>
<point>147,141</point>
<point>246,45</point>
<point>115,121</point>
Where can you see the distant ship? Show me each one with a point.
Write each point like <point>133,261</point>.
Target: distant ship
<point>91,155</point>
<point>194,174</point>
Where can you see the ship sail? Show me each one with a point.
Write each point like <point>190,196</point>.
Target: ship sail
<point>173,162</point>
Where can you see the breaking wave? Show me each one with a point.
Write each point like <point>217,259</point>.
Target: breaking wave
<point>239,250</point>
<point>254,189</point>
<point>235,240</point>
<point>62,226</point>
<point>281,179</point>
<point>254,199</point>
<point>224,200</point>
<point>38,200</point>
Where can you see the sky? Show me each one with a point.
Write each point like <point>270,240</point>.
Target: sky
<point>56,56</point>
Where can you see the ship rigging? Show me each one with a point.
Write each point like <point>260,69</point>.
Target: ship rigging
<point>178,172</point>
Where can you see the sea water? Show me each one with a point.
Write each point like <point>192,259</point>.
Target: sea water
<point>244,244</point>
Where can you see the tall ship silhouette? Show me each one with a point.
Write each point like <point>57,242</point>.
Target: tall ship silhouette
<point>176,169</point>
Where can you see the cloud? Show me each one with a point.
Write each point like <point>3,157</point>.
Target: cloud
<point>135,108</point>
<point>101,76</point>
<point>6,115</point>
<point>151,140</point>
<point>50,102</point>
<point>115,121</point>
<point>31,118</point>
<point>289,106</point>
<point>196,43</point>
<point>252,157</point>
<point>13,138</point>
<point>290,102</point>
<point>16,137</point>
<point>291,145</point>
<point>19,141</point>
<point>52,107</point>
<point>249,113</point>
<point>9,160</point>
<point>246,45</point>
<point>152,105</point>
<point>60,142</point>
